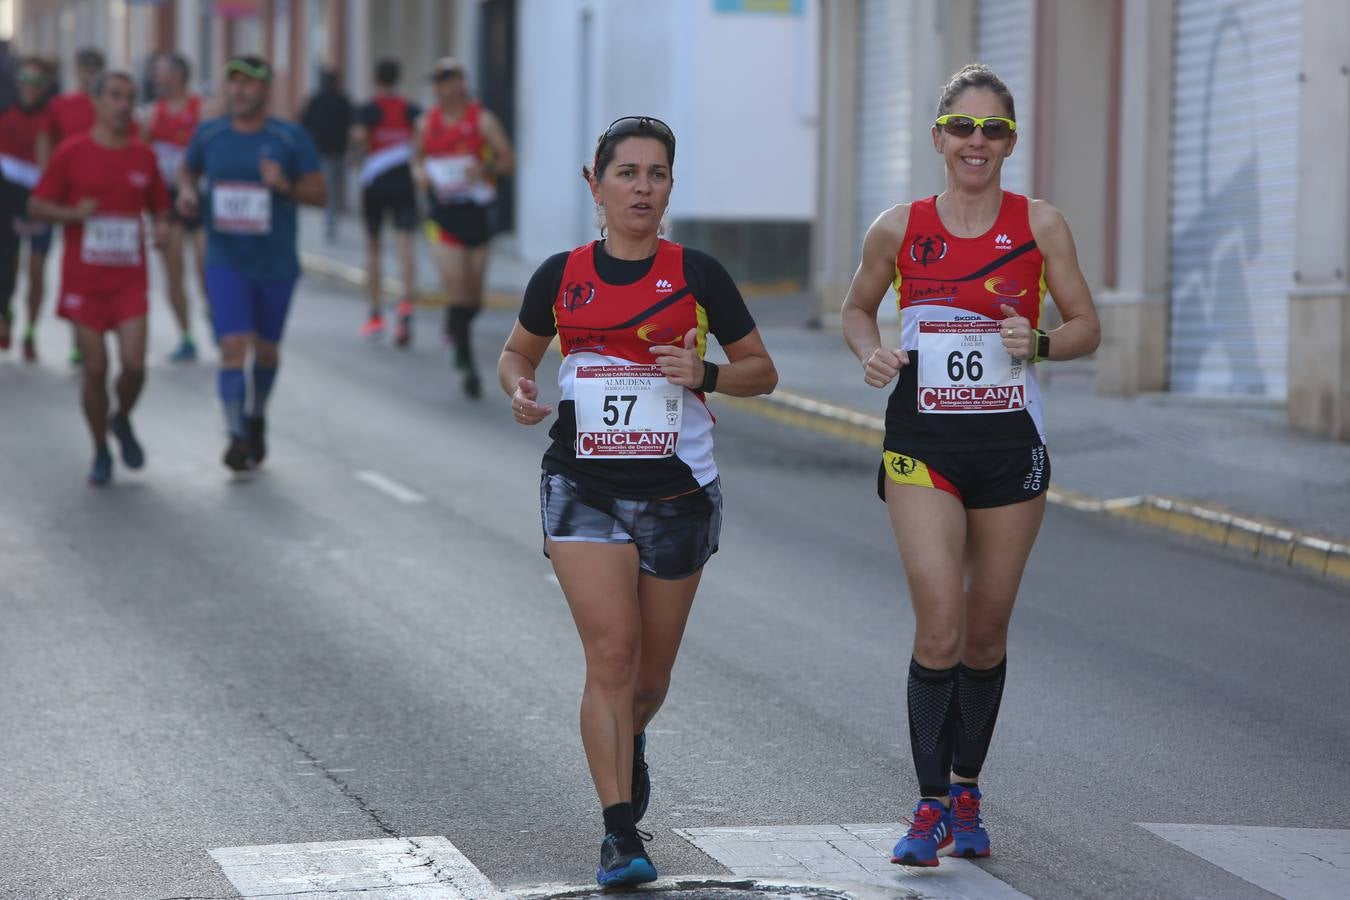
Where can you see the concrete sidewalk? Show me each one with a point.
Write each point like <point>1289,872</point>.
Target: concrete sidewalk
<point>1227,472</point>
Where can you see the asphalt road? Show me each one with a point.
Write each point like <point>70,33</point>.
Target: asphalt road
<point>193,661</point>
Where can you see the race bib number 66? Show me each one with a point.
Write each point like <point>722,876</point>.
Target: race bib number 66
<point>963,368</point>
<point>626,412</point>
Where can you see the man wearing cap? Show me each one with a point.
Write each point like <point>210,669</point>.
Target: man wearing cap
<point>99,185</point>
<point>459,151</point>
<point>258,169</point>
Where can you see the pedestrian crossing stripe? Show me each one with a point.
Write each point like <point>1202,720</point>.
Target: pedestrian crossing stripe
<point>1306,863</point>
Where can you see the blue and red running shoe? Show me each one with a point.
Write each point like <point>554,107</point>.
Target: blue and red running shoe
<point>929,831</point>
<point>968,833</point>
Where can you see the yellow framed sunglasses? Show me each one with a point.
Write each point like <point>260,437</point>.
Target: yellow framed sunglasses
<point>995,128</point>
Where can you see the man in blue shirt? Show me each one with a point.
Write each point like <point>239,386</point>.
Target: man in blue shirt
<point>257,170</point>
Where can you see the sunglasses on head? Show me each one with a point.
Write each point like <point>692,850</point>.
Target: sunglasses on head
<point>626,126</point>
<point>995,128</point>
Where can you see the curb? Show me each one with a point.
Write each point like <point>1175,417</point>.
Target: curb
<point>1319,555</point>
<point>355,277</point>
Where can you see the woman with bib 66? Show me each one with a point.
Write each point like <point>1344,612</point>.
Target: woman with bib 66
<point>964,469</point>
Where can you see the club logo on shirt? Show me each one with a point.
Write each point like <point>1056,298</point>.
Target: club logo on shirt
<point>928,248</point>
<point>1004,287</point>
<point>904,466</point>
<point>138,179</point>
<point>1002,242</point>
<point>578,294</point>
<point>658,334</point>
<point>663,286</point>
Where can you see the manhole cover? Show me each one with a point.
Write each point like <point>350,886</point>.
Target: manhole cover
<point>714,893</point>
<point>740,889</point>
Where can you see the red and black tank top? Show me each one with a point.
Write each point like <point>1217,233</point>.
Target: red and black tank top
<point>460,138</point>
<point>943,278</point>
<point>169,127</point>
<point>395,125</point>
<point>626,321</point>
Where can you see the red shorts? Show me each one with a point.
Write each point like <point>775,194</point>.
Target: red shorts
<point>103,311</point>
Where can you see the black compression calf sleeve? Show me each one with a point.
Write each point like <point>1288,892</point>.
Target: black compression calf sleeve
<point>932,726</point>
<point>978,695</point>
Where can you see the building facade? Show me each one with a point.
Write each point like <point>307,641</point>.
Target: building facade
<point>1198,149</point>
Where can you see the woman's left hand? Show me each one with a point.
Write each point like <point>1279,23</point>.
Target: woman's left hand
<point>681,365</point>
<point>1019,338</point>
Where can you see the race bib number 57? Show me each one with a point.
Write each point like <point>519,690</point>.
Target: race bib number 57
<point>626,412</point>
<point>963,368</point>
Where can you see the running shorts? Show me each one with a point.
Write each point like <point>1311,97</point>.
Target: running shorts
<point>390,192</point>
<point>978,478</point>
<point>189,223</point>
<point>458,224</point>
<point>674,536</point>
<point>103,311</point>
<point>243,305</point>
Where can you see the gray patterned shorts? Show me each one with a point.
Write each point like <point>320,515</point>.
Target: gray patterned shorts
<point>674,537</point>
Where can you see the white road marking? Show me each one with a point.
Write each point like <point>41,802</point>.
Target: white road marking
<point>386,485</point>
<point>843,853</point>
<point>1304,863</point>
<point>418,868</point>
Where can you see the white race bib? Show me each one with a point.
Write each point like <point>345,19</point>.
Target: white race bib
<point>963,368</point>
<point>170,159</point>
<point>625,412</point>
<point>111,241</point>
<point>449,175</point>
<point>241,207</point>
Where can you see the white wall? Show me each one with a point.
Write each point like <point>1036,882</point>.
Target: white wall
<point>739,90</point>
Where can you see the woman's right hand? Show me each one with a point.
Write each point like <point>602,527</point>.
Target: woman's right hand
<point>525,406</point>
<point>883,365</point>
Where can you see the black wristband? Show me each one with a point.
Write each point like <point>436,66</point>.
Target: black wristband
<point>709,384</point>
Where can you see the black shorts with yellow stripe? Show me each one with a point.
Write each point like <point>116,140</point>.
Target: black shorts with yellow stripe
<point>978,478</point>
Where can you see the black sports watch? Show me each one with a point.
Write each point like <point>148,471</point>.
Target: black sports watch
<point>1042,346</point>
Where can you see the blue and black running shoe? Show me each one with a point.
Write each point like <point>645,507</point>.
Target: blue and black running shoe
<point>133,456</point>
<point>929,831</point>
<point>100,473</point>
<point>969,836</point>
<point>642,781</point>
<point>624,861</point>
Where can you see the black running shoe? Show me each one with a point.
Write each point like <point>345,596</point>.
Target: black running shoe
<point>473,385</point>
<point>133,455</point>
<point>623,860</point>
<point>257,438</point>
<point>236,455</point>
<point>642,781</point>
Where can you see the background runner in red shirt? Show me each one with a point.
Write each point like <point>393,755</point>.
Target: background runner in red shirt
<point>74,110</point>
<point>167,127</point>
<point>99,186</point>
<point>27,135</point>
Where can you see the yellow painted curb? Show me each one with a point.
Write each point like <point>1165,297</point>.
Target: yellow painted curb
<point>355,277</point>
<point>1315,554</point>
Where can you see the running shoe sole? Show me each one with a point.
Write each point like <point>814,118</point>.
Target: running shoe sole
<point>639,871</point>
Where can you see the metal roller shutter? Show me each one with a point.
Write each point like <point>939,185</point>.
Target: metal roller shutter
<point>1233,183</point>
<point>1005,32</point>
<point>885,108</point>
